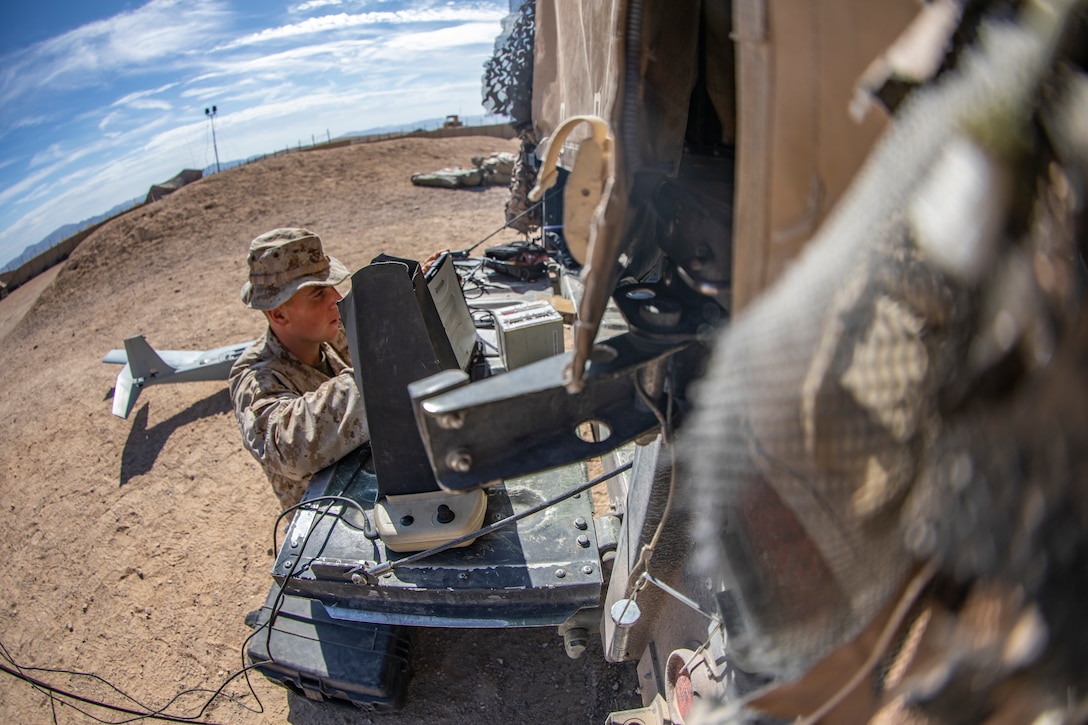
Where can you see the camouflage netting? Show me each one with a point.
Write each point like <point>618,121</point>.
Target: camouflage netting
<point>508,90</point>
<point>508,74</point>
<point>914,389</point>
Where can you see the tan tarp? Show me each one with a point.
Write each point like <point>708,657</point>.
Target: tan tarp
<point>579,67</point>
<point>780,73</point>
<point>574,71</point>
<point>798,62</point>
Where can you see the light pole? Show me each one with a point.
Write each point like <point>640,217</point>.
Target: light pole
<point>210,113</point>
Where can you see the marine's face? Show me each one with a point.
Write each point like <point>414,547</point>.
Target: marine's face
<point>313,315</point>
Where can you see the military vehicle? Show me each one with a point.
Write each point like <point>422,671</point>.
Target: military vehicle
<point>842,421</point>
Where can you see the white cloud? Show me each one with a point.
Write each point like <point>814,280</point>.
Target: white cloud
<point>143,94</point>
<point>58,156</point>
<point>455,37</point>
<point>341,21</point>
<point>39,119</point>
<point>313,5</point>
<point>371,62</point>
<point>128,114</point>
<point>108,119</point>
<point>148,105</point>
<point>51,155</point>
<point>159,30</point>
<point>208,91</point>
<point>294,61</point>
<point>27,182</point>
<point>40,192</point>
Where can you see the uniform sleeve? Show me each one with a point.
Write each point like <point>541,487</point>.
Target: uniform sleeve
<point>295,435</point>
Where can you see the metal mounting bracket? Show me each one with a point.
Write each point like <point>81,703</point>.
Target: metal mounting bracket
<point>525,420</point>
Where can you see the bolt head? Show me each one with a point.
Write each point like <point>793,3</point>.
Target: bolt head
<point>660,312</point>
<point>459,460</point>
<point>452,421</point>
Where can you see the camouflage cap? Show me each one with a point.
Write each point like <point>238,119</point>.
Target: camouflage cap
<point>283,261</point>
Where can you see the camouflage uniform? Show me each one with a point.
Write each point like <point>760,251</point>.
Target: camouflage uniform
<point>294,418</point>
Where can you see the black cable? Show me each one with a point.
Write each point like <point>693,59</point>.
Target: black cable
<point>148,712</point>
<point>462,253</point>
<point>482,319</point>
<point>7,656</point>
<point>368,531</point>
<point>368,527</point>
<point>277,603</point>
<point>54,691</point>
<point>473,277</point>
<point>155,713</point>
<point>52,700</point>
<point>218,692</point>
<point>56,694</point>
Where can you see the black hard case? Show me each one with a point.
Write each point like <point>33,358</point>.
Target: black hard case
<point>331,660</point>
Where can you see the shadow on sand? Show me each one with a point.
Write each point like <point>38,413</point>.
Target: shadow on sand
<point>144,444</point>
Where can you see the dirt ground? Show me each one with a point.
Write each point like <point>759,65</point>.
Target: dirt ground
<point>135,547</point>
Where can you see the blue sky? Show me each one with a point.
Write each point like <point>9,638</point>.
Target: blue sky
<point>103,98</point>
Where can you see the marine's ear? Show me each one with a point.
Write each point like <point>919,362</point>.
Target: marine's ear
<point>277,316</point>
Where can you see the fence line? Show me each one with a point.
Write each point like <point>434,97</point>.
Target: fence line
<point>495,130</point>
<point>59,252</point>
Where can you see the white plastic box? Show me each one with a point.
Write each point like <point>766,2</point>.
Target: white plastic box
<point>528,332</point>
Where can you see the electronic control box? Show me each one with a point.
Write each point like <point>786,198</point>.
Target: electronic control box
<point>527,332</point>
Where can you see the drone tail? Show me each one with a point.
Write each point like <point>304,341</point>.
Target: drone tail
<point>142,366</point>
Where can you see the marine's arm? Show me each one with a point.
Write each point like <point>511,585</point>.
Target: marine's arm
<point>295,434</point>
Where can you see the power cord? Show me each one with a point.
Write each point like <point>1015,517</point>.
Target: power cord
<point>142,711</point>
<point>65,697</point>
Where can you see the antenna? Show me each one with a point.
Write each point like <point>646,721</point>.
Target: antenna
<point>210,113</point>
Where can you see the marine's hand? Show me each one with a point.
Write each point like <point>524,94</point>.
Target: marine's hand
<point>432,259</point>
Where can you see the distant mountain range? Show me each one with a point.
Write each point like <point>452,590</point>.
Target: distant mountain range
<point>61,233</point>
<point>427,124</point>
